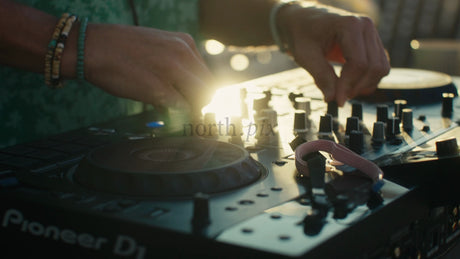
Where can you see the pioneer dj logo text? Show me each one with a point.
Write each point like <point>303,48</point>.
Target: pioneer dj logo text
<point>123,246</point>
<point>229,129</point>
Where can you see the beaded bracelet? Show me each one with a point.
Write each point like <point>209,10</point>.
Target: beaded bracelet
<point>56,80</point>
<point>52,46</point>
<point>273,28</point>
<point>81,50</point>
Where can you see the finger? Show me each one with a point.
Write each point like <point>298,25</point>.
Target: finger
<point>314,61</point>
<point>353,49</point>
<point>196,61</point>
<point>196,91</point>
<point>377,65</point>
<point>190,75</point>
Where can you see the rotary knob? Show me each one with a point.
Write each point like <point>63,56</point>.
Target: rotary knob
<point>407,122</point>
<point>352,124</point>
<point>303,103</point>
<point>325,125</point>
<point>378,133</point>
<point>399,106</point>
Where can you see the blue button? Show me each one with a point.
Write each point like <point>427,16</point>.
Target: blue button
<point>155,124</point>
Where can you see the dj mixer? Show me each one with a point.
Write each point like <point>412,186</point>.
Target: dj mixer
<point>380,177</point>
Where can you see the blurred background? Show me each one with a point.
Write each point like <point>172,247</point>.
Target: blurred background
<point>417,33</point>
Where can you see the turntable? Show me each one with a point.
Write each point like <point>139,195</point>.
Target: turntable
<point>123,190</point>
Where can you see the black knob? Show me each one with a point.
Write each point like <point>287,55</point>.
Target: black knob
<point>382,113</point>
<point>357,110</point>
<point>407,123</point>
<point>342,206</point>
<point>378,133</point>
<point>392,128</point>
<point>313,223</point>
<point>325,124</point>
<point>447,105</point>
<point>200,211</point>
<point>399,106</point>
<point>352,124</point>
<point>300,119</point>
<point>356,141</point>
<point>333,109</point>
<point>447,147</point>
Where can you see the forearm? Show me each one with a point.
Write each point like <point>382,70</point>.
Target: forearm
<point>24,35</point>
<point>237,22</point>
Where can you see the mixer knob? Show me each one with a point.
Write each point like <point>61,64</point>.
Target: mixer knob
<point>300,120</point>
<point>333,109</point>
<point>268,95</point>
<point>447,105</point>
<point>382,113</point>
<point>357,110</point>
<point>313,223</point>
<point>392,128</point>
<point>356,141</point>
<point>352,124</point>
<point>407,120</point>
<point>200,212</point>
<point>325,125</point>
<point>378,133</point>
<point>399,106</point>
<point>447,147</point>
<point>293,95</point>
<point>272,116</point>
<point>260,103</point>
<point>303,103</point>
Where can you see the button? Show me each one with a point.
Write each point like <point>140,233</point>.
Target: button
<point>246,202</point>
<point>247,230</point>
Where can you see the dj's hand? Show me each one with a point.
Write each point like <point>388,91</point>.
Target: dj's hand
<point>318,34</point>
<point>157,67</point>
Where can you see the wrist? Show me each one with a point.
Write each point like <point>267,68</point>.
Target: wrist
<point>69,57</point>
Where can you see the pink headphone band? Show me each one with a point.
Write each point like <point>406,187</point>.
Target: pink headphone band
<point>342,154</point>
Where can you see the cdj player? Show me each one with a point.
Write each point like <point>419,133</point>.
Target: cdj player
<point>269,170</point>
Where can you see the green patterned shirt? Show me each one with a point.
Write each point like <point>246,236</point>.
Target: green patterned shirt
<point>29,110</point>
